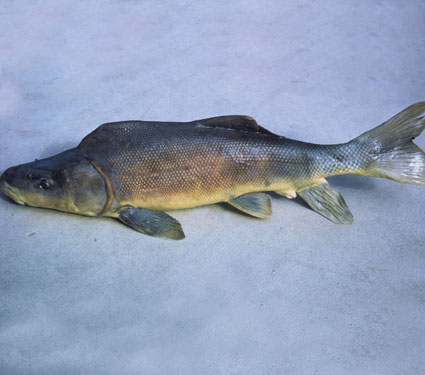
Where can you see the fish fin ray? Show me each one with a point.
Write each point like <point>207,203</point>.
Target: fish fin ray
<point>153,223</point>
<point>394,155</point>
<point>328,203</point>
<point>255,204</point>
<point>237,122</point>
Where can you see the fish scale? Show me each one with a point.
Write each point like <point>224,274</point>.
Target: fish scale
<point>202,164</point>
<point>135,170</point>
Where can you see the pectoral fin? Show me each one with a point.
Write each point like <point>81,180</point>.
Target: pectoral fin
<point>152,223</point>
<point>328,203</point>
<point>254,204</point>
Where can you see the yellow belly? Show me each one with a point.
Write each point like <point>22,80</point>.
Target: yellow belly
<point>181,200</point>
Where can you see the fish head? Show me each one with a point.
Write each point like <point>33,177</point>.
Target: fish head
<point>65,182</point>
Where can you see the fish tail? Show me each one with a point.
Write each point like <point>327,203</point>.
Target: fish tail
<point>392,154</point>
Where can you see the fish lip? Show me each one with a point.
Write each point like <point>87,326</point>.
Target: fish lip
<point>10,191</point>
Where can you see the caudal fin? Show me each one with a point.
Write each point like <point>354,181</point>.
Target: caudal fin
<point>393,154</point>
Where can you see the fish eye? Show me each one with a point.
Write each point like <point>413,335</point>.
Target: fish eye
<point>44,183</point>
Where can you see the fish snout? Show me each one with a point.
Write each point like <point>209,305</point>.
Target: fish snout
<point>8,175</point>
<point>7,180</point>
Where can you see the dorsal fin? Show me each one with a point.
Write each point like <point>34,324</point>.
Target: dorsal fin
<point>246,123</point>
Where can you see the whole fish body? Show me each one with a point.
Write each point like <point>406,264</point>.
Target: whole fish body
<point>135,170</point>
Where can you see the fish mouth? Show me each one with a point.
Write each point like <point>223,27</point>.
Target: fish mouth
<point>11,192</point>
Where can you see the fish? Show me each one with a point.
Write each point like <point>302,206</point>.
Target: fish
<point>134,171</point>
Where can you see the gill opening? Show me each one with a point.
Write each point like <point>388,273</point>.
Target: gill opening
<point>109,189</point>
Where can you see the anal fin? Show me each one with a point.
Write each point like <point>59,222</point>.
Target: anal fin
<point>153,223</point>
<point>328,203</point>
<point>254,204</point>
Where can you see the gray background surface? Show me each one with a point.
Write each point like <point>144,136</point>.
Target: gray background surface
<point>295,294</point>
